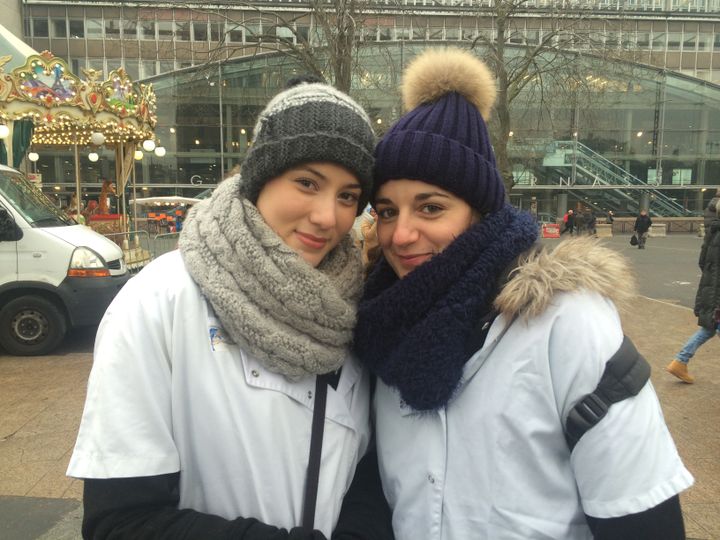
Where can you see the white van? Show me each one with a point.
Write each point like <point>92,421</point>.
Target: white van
<point>54,273</point>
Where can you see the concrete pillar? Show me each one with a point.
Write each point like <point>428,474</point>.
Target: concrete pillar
<point>562,206</point>
<point>644,200</point>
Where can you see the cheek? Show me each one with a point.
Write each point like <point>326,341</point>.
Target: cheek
<point>384,234</point>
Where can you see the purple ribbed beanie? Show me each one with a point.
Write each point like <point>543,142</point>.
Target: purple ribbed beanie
<point>443,139</point>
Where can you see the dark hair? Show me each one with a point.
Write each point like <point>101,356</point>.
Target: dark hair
<point>306,78</point>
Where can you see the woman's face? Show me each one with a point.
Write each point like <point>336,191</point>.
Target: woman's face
<point>417,221</point>
<point>311,207</point>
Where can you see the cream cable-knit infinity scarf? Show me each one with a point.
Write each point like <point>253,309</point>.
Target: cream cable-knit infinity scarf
<point>297,320</point>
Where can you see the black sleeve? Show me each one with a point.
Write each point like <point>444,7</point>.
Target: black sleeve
<point>663,521</point>
<point>145,508</point>
<point>365,513</point>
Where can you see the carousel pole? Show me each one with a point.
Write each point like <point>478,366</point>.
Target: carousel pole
<point>135,214</point>
<point>77,181</point>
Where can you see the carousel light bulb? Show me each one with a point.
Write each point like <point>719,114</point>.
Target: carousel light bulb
<point>93,156</point>
<point>33,156</point>
<point>148,145</point>
<point>138,155</point>
<point>97,138</point>
<point>4,131</point>
<point>160,151</point>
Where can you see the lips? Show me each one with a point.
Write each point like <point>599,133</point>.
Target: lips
<point>411,261</point>
<point>311,241</point>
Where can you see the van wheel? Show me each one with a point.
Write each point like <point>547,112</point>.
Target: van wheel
<point>31,325</point>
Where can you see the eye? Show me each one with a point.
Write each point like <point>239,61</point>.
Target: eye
<point>386,213</point>
<point>306,183</point>
<point>431,209</point>
<point>349,198</point>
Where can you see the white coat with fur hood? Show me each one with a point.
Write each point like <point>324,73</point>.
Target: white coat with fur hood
<point>493,464</point>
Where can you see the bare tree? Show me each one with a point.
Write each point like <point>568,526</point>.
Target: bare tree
<point>547,67</point>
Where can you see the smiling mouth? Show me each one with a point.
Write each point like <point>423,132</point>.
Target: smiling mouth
<point>314,242</point>
<point>414,260</point>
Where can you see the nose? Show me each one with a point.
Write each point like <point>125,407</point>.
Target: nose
<point>405,233</point>
<point>324,212</point>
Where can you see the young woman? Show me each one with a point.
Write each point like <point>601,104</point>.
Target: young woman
<point>209,365</point>
<point>485,346</point>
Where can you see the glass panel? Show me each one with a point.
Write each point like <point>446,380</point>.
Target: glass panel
<point>235,35</point>
<point>658,42</point>
<point>147,30</point>
<point>182,31</point>
<point>40,28</point>
<point>112,28</point>
<point>200,31</point>
<point>165,30</point>
<point>129,29</point>
<point>253,32</point>
<point>216,31</point>
<point>59,28</point>
<point>94,28</point>
<point>673,41</point>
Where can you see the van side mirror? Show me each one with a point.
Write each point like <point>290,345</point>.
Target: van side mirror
<point>8,229</point>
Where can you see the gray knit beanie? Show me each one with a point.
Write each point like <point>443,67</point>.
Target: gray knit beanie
<point>306,123</point>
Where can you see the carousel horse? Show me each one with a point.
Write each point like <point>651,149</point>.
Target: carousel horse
<point>108,188</point>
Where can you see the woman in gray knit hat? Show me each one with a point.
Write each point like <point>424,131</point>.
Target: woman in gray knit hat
<point>221,376</point>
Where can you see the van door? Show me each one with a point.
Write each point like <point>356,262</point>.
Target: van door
<point>9,232</point>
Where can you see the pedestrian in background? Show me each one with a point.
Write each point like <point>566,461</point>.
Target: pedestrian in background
<point>610,218</point>
<point>709,215</point>
<point>707,301</point>
<point>569,219</point>
<point>483,343</point>
<point>641,228</point>
<point>221,365</point>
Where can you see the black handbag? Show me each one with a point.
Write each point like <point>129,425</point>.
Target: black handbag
<point>633,240</point>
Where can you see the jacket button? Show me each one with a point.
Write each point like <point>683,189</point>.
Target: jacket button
<point>255,373</point>
<point>431,479</point>
<point>309,394</point>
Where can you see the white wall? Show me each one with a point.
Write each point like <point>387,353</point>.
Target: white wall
<point>12,16</point>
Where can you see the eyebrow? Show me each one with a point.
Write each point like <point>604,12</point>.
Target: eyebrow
<point>418,197</point>
<point>352,185</point>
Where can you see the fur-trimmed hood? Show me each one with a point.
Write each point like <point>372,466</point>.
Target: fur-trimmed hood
<point>582,263</point>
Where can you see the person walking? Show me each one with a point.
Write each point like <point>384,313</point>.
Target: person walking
<point>610,217</point>
<point>707,302</point>
<point>221,367</point>
<point>486,346</point>
<point>641,228</point>
<point>569,220</point>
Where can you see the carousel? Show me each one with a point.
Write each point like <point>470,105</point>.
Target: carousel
<point>42,103</point>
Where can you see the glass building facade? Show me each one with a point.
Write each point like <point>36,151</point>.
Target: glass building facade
<point>599,138</point>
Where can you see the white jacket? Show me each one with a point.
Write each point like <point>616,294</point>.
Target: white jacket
<point>168,392</point>
<point>493,464</point>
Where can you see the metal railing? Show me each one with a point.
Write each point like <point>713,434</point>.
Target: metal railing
<point>164,243</point>
<point>601,170</point>
<point>135,246</point>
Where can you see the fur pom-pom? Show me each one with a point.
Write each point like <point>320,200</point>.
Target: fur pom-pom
<point>437,72</point>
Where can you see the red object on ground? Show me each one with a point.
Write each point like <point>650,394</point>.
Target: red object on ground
<point>550,230</point>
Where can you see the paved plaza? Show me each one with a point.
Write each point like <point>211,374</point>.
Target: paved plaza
<point>42,399</point>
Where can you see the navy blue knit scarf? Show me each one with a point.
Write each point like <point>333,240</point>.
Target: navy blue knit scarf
<point>412,332</point>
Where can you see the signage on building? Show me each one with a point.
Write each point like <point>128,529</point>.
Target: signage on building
<point>35,178</point>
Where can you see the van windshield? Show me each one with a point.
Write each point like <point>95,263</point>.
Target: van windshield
<point>30,202</point>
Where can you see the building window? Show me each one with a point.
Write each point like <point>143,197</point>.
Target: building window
<point>132,69</point>
<point>643,40</point>
<point>285,34</point>
<point>452,33</point>
<point>703,41</point>
<point>658,42</point>
<point>165,30</point>
<point>112,29</point>
<point>77,65</point>
<point>40,28</point>
<point>673,41</point>
<point>77,28</point>
<point>217,32</point>
<point>182,31</point>
<point>129,29</point>
<point>59,28</point>
<point>147,30</point>
<point>689,42</point>
<point>166,66</point>
<point>94,28</point>
<point>235,34</point>
<point>200,31</point>
<point>253,32</point>
<point>147,68</point>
